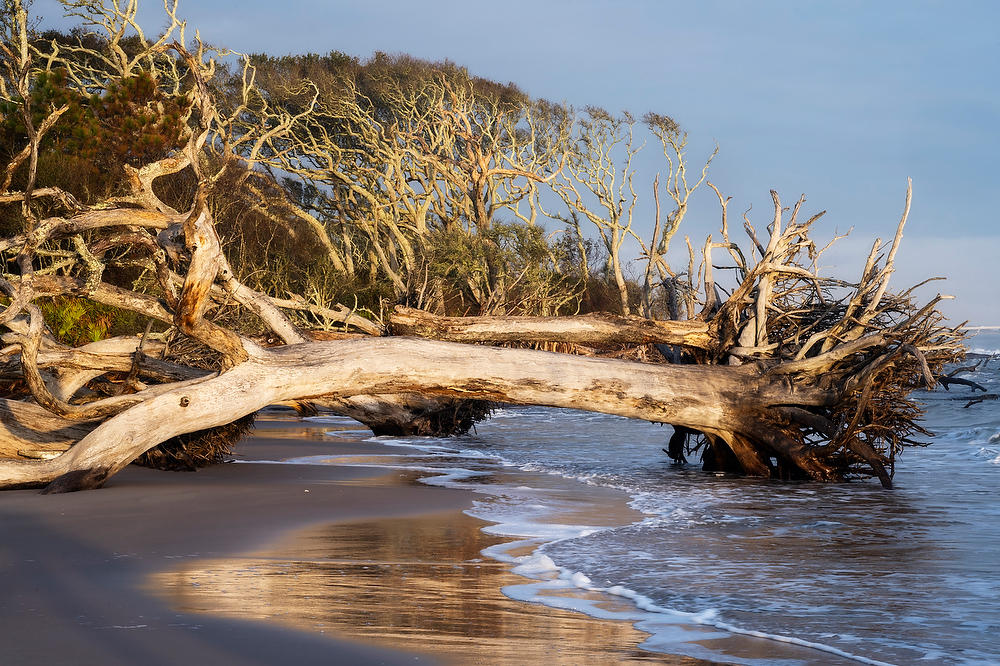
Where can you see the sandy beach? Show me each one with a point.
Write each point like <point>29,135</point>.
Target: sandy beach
<point>110,576</point>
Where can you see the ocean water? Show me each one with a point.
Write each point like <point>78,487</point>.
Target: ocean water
<point>846,572</point>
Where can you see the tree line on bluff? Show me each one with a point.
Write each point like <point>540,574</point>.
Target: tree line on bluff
<point>399,181</point>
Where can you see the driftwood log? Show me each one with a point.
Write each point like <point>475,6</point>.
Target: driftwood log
<point>795,375</point>
<point>710,399</point>
<point>598,329</point>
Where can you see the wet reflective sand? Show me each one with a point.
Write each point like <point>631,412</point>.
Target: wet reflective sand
<point>421,584</point>
<point>414,583</point>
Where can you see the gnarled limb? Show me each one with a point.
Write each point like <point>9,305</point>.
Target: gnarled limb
<point>75,367</point>
<point>144,304</point>
<point>206,262</point>
<point>335,313</point>
<point>946,382</point>
<point>29,344</point>
<point>92,220</point>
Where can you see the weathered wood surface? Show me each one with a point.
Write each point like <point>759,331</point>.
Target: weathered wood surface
<point>25,427</point>
<point>590,329</point>
<point>706,398</point>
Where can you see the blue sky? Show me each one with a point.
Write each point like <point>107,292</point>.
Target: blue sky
<point>839,100</point>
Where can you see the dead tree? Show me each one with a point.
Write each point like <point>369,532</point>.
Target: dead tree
<point>409,154</point>
<point>862,346</point>
<point>678,189</point>
<point>795,375</point>
<point>594,186</point>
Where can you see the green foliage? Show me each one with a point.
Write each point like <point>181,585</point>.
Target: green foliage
<point>132,122</point>
<point>509,268</point>
<point>379,79</point>
<point>76,321</point>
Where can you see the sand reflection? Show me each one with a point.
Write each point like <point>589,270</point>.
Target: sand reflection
<point>412,583</point>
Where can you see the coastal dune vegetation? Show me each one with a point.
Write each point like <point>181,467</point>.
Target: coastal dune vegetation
<point>190,235</point>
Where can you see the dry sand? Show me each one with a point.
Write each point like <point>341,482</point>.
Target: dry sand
<point>364,568</point>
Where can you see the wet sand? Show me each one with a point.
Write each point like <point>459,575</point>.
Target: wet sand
<point>364,568</point>
<point>415,583</point>
<point>73,568</point>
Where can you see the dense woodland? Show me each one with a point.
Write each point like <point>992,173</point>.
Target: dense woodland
<point>190,234</point>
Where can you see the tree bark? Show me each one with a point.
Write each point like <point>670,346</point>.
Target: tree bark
<point>595,329</point>
<point>26,428</point>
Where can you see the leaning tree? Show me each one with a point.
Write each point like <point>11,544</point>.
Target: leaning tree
<point>788,374</point>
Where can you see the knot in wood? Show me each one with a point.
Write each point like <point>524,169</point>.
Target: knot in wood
<point>185,401</point>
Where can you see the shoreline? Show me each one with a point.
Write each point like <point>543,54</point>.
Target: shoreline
<point>76,569</point>
<point>73,567</point>
<point>415,583</point>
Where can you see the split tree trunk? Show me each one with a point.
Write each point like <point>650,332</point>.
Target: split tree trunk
<point>29,431</point>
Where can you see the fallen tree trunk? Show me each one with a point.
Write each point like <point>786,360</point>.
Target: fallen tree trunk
<point>596,329</point>
<point>712,399</point>
<point>824,407</point>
